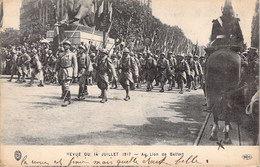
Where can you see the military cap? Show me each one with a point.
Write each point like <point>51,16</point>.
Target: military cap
<point>34,50</point>
<point>103,51</point>
<point>162,53</point>
<point>180,55</point>
<point>81,47</point>
<point>149,52</point>
<point>125,50</point>
<point>132,53</point>
<point>189,55</point>
<point>67,42</point>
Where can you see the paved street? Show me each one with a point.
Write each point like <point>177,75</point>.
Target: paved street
<point>34,116</point>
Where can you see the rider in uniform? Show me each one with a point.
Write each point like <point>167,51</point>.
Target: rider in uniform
<point>68,67</point>
<point>85,67</point>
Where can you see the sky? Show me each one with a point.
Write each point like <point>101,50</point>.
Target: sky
<point>194,17</point>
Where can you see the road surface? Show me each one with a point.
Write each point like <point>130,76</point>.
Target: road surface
<point>34,116</point>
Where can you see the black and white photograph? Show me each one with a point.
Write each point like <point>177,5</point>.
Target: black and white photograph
<point>129,72</point>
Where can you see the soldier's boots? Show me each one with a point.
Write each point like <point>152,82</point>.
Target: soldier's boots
<point>162,90</point>
<point>41,84</point>
<point>80,94</point>
<point>67,100</point>
<point>127,98</point>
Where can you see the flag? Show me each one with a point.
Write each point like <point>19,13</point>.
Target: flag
<point>59,36</point>
<point>1,13</point>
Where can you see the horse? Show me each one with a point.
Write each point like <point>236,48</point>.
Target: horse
<point>225,98</point>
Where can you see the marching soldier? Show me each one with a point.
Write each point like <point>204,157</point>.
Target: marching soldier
<point>202,77</point>
<point>191,76</point>
<point>128,70</point>
<point>68,67</point>
<point>24,63</point>
<point>116,65</point>
<point>85,67</point>
<point>163,69</point>
<point>171,75</point>
<point>36,69</point>
<point>135,73</point>
<point>198,71</point>
<point>13,64</point>
<point>150,67</point>
<point>182,68</point>
<point>104,64</point>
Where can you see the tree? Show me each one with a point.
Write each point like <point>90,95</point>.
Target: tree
<point>255,28</point>
<point>9,37</point>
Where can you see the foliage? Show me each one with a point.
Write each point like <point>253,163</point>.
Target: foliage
<point>255,28</point>
<point>133,21</point>
<point>9,37</point>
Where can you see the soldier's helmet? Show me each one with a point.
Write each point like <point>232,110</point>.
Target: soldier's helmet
<point>92,55</point>
<point>126,50</point>
<point>49,51</point>
<point>170,52</point>
<point>202,56</point>
<point>81,47</point>
<point>34,50</point>
<point>132,54</point>
<point>162,54</point>
<point>190,55</point>
<point>149,52</point>
<point>180,55</point>
<point>67,43</point>
<point>13,51</point>
<point>103,51</point>
<point>196,56</point>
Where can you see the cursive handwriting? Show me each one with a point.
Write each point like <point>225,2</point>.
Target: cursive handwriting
<point>33,162</point>
<point>132,160</point>
<point>150,161</point>
<point>73,162</point>
<point>190,159</point>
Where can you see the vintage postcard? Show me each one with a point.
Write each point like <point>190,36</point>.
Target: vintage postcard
<point>129,83</point>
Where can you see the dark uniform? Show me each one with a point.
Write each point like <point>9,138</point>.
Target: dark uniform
<point>13,61</point>
<point>129,69</point>
<point>171,73</point>
<point>150,71</point>
<point>182,68</point>
<point>103,65</point>
<point>163,69</point>
<point>36,68</point>
<point>68,67</point>
<point>24,63</point>
<point>84,69</point>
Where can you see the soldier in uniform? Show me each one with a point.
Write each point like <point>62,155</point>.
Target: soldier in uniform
<point>182,68</point>
<point>84,68</point>
<point>202,77</point>
<point>13,64</point>
<point>24,63</point>
<point>252,78</point>
<point>36,68</point>
<point>190,78</point>
<point>150,68</point>
<point>128,70</point>
<point>116,65</point>
<point>102,66</point>
<point>135,77</point>
<point>163,69</point>
<point>142,67</point>
<point>171,75</point>
<point>198,71</point>
<point>68,67</point>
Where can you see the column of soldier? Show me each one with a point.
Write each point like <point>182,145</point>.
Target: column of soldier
<point>131,69</point>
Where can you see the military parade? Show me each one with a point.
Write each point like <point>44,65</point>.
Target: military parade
<point>222,78</point>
